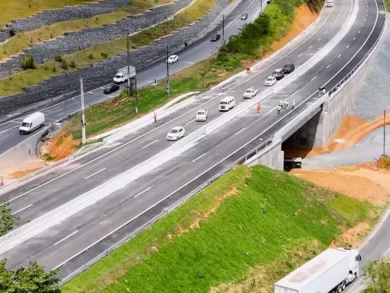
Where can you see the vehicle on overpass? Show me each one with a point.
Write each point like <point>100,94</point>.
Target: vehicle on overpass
<point>124,74</point>
<point>250,93</point>
<point>244,16</point>
<point>111,88</point>
<point>176,133</point>
<point>329,3</point>
<point>278,74</point>
<point>32,122</point>
<point>330,271</point>
<point>270,81</point>
<point>227,103</point>
<point>173,59</point>
<point>201,115</point>
<point>215,38</point>
<point>288,68</point>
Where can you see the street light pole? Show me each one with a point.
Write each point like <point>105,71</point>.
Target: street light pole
<point>223,29</point>
<point>136,94</point>
<point>128,62</point>
<point>167,87</point>
<point>83,122</point>
<point>384,133</point>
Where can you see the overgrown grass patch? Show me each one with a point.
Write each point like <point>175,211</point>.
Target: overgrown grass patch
<point>192,249</point>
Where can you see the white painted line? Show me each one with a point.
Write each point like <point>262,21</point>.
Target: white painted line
<point>8,129</point>
<point>261,138</point>
<point>22,209</point>
<point>310,46</point>
<point>319,39</point>
<point>326,32</point>
<point>354,38</point>
<point>358,32</point>
<point>339,56</point>
<point>240,131</point>
<point>191,63</point>
<point>347,46</point>
<point>63,239</point>
<point>328,66</point>
<point>198,158</point>
<point>300,55</point>
<point>193,120</point>
<point>149,144</point>
<point>332,25</point>
<point>314,78</point>
<point>142,192</point>
<point>94,173</point>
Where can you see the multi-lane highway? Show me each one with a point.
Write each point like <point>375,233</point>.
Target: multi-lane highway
<point>59,234</point>
<point>200,50</point>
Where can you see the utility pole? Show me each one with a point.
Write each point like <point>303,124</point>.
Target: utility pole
<point>167,87</point>
<point>128,62</point>
<point>261,7</point>
<point>136,93</point>
<point>384,132</point>
<point>83,122</point>
<point>223,29</point>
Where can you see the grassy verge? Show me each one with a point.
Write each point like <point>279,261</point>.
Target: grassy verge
<point>246,219</point>
<point>387,4</point>
<point>16,82</point>
<point>22,41</point>
<point>21,8</point>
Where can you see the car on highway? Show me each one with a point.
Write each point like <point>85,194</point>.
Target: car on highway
<point>270,81</point>
<point>173,59</point>
<point>278,74</point>
<point>227,103</point>
<point>111,88</point>
<point>176,133</point>
<point>244,16</point>
<point>32,122</point>
<point>201,115</point>
<point>250,93</point>
<point>288,68</point>
<point>216,37</point>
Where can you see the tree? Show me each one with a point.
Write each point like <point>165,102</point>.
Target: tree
<point>7,220</point>
<point>377,276</point>
<point>28,63</point>
<point>32,279</point>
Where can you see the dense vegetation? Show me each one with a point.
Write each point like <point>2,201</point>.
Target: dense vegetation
<point>377,275</point>
<point>248,219</point>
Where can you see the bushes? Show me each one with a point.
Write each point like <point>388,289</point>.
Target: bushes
<point>72,64</point>
<point>64,64</point>
<point>28,63</point>
<point>58,59</point>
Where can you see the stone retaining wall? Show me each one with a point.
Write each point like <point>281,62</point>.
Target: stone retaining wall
<point>48,17</point>
<point>103,71</point>
<point>76,41</point>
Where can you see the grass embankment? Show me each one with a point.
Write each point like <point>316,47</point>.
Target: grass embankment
<point>14,9</point>
<point>387,5</point>
<point>249,228</point>
<point>22,41</point>
<point>16,82</point>
<point>198,77</point>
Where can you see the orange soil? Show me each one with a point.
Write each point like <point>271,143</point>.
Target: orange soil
<point>8,175</point>
<point>61,146</point>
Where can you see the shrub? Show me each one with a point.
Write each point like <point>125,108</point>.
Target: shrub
<point>46,68</point>
<point>64,64</point>
<point>90,56</point>
<point>28,63</point>
<point>58,58</point>
<point>72,64</point>
<point>54,69</point>
<point>104,55</point>
<point>12,32</point>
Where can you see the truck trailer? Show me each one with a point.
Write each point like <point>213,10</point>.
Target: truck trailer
<point>123,74</point>
<point>330,271</point>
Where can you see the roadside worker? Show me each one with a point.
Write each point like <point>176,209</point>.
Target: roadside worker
<point>155,117</point>
<point>286,104</point>
<point>281,104</point>
<point>293,104</point>
<point>278,109</point>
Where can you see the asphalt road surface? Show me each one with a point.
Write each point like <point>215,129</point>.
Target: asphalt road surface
<point>200,50</point>
<point>73,241</point>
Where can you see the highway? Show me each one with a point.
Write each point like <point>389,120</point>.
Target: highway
<point>198,51</point>
<point>100,225</point>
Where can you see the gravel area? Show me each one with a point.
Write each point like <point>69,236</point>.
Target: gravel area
<point>374,96</point>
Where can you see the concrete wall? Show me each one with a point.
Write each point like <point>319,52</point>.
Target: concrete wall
<point>48,17</point>
<point>103,71</point>
<point>75,41</point>
<point>272,157</point>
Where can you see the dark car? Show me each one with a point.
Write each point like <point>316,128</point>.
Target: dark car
<point>244,16</point>
<point>288,68</point>
<point>111,88</point>
<point>268,1</point>
<point>215,37</point>
<point>278,74</point>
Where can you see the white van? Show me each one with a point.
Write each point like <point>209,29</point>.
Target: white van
<point>329,3</point>
<point>227,103</point>
<point>32,122</point>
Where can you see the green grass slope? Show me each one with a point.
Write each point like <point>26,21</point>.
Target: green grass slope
<point>246,219</point>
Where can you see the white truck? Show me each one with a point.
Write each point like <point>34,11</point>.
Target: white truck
<point>32,122</point>
<point>329,3</point>
<point>123,74</point>
<point>330,271</point>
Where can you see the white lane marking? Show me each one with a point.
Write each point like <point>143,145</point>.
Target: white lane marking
<point>63,239</point>
<point>339,56</point>
<point>144,147</point>
<point>138,194</point>
<point>354,38</point>
<point>332,25</point>
<point>101,170</point>
<point>191,63</point>
<point>310,46</point>
<point>314,78</point>
<point>319,39</point>
<point>328,66</point>
<point>358,32</point>
<point>198,158</point>
<point>18,211</point>
<point>300,55</point>
<point>326,32</point>
<point>8,129</point>
<point>238,132</point>
<point>347,46</point>
<point>193,120</point>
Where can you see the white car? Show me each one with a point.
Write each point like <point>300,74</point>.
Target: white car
<point>201,115</point>
<point>173,59</point>
<point>176,133</point>
<point>250,93</point>
<point>270,81</point>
